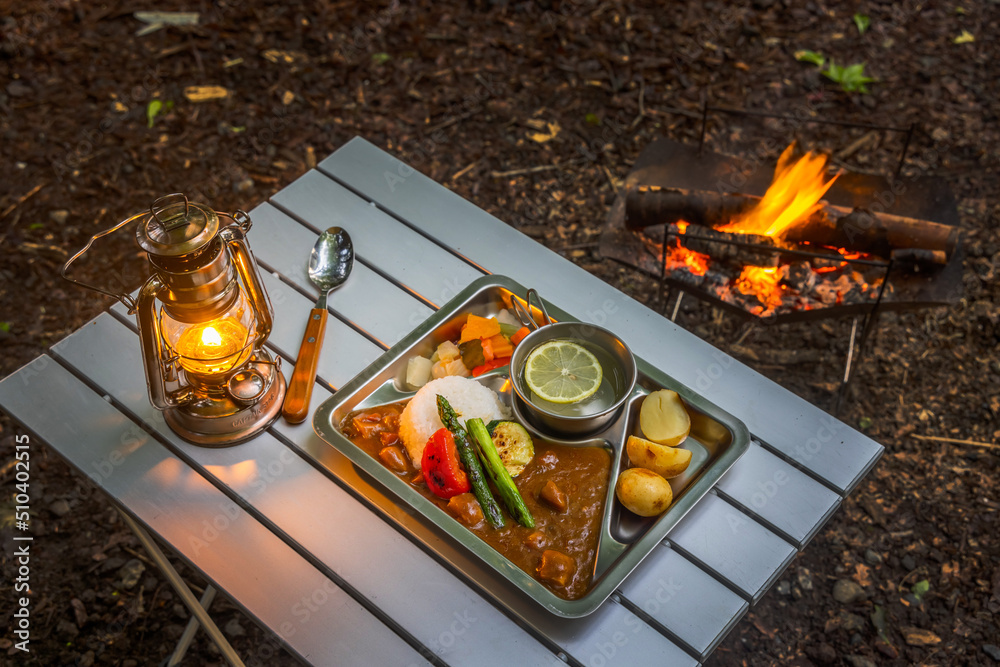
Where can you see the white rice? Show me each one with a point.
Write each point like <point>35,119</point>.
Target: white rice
<point>420,417</point>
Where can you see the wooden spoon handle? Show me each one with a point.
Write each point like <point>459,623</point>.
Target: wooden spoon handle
<point>296,407</point>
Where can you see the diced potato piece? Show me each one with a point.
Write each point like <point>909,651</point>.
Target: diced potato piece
<point>456,367</point>
<point>664,461</point>
<point>506,317</point>
<point>447,351</point>
<point>418,371</point>
<point>663,418</point>
<point>643,492</point>
<point>439,369</point>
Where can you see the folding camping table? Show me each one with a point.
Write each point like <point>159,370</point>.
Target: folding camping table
<point>341,574</point>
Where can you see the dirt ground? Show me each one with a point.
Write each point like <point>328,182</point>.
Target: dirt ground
<point>535,111</point>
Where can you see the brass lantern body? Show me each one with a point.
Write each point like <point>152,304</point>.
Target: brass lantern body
<point>203,317</point>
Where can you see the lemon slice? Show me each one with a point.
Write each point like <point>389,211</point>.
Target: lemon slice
<point>561,371</point>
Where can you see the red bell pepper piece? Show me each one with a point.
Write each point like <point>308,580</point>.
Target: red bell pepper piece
<point>496,363</point>
<point>441,468</point>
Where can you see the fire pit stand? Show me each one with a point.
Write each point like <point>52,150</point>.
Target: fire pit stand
<point>896,285</point>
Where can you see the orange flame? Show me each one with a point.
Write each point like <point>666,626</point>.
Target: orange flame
<point>679,256</point>
<point>794,195</point>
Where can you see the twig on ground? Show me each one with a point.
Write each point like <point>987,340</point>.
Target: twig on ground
<point>611,179</point>
<point>464,171</point>
<point>955,441</point>
<point>21,200</point>
<point>521,172</point>
<point>669,111</point>
<point>855,146</point>
<point>642,111</point>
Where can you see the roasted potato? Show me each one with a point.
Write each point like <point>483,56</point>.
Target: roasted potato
<point>664,461</point>
<point>664,419</point>
<point>643,492</point>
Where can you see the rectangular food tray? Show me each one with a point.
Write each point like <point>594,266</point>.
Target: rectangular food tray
<point>716,442</point>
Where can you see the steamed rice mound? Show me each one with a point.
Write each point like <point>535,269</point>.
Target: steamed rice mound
<point>420,417</point>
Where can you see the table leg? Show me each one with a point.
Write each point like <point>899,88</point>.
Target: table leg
<point>192,627</point>
<point>186,595</point>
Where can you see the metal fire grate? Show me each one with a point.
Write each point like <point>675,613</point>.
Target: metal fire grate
<point>671,164</point>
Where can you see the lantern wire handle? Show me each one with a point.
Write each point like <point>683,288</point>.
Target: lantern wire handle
<point>162,203</point>
<point>125,298</point>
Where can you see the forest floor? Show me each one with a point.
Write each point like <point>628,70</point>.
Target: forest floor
<point>536,112</point>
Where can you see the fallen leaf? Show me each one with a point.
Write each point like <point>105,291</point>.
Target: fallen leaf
<point>541,137</point>
<point>79,612</point>
<point>156,20</point>
<point>278,56</point>
<point>205,93</point>
<point>918,637</point>
<point>168,18</point>
<point>287,98</point>
<point>862,574</point>
<point>964,38</point>
<point>764,631</point>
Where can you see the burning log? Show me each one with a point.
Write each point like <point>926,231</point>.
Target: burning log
<point>856,229</point>
<point>752,248</point>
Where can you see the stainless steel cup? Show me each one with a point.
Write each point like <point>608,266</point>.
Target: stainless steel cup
<point>598,340</point>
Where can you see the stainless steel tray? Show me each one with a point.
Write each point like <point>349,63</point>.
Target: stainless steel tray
<point>716,441</point>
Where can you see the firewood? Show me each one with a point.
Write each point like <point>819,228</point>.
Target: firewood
<point>858,229</point>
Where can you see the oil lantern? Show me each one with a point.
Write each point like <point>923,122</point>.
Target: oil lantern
<point>203,318</point>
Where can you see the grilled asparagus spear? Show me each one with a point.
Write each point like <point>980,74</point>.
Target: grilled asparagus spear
<point>509,494</point>
<point>471,463</point>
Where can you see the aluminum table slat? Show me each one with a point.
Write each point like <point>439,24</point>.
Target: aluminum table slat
<point>402,254</point>
<point>830,449</point>
<point>381,565</point>
<point>256,569</point>
<point>283,245</point>
<point>732,544</point>
<point>345,352</point>
<point>782,496</point>
<point>684,599</point>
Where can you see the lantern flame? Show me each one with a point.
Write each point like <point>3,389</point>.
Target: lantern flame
<point>210,337</point>
<point>215,347</point>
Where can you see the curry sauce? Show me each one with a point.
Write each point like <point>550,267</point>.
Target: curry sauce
<point>564,487</point>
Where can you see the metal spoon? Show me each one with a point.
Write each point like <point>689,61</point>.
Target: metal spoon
<point>330,263</point>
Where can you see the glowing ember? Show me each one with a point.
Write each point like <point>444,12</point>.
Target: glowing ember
<point>679,256</point>
<point>762,282</point>
<point>794,195</point>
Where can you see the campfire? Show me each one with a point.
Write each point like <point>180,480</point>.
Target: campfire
<point>787,252</point>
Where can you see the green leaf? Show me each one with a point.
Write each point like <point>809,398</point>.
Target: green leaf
<point>816,59</point>
<point>965,38</point>
<point>879,621</point>
<point>862,21</point>
<point>920,589</point>
<point>381,58</point>
<point>592,119</point>
<point>865,423</point>
<point>36,225</point>
<point>851,78</point>
<point>153,110</point>
<point>5,327</point>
